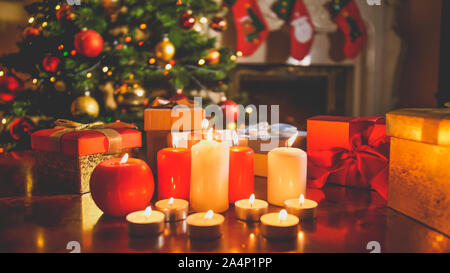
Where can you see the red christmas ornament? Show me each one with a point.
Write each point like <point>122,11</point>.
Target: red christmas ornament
<point>218,23</point>
<point>64,12</point>
<point>213,56</point>
<point>88,43</point>
<point>21,128</point>
<point>120,188</point>
<point>8,87</point>
<point>230,110</point>
<point>50,63</point>
<point>186,20</point>
<point>31,31</point>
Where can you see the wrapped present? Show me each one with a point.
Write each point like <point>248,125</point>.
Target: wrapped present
<point>263,137</point>
<point>67,154</point>
<point>161,117</point>
<point>348,151</point>
<point>419,175</point>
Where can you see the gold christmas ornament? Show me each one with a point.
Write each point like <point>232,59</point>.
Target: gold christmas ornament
<point>85,106</point>
<point>131,96</point>
<point>165,50</point>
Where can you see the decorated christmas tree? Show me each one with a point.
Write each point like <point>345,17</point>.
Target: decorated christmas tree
<point>105,60</point>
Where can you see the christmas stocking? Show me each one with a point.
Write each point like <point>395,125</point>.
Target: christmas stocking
<point>346,15</point>
<point>302,31</point>
<point>301,28</point>
<point>251,28</point>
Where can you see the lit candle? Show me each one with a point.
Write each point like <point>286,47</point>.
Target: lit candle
<point>145,222</point>
<point>209,175</point>
<point>241,174</point>
<point>174,172</point>
<point>303,208</point>
<point>279,225</point>
<point>205,225</point>
<point>120,186</point>
<point>173,209</point>
<point>250,209</point>
<point>286,178</point>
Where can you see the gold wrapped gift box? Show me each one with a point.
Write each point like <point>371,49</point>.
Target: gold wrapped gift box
<point>419,174</point>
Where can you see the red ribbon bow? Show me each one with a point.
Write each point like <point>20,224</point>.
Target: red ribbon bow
<point>365,164</point>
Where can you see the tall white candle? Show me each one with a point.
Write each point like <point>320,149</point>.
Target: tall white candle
<point>209,176</point>
<point>286,174</point>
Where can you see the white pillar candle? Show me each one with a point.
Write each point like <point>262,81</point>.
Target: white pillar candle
<point>209,176</point>
<point>286,176</point>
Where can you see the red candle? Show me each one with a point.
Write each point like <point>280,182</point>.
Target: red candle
<point>120,186</point>
<point>174,173</point>
<point>240,184</point>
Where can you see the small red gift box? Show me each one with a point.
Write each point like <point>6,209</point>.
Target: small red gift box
<point>348,151</point>
<point>67,154</point>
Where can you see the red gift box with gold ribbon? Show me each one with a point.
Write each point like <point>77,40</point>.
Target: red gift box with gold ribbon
<point>67,154</point>
<point>349,152</point>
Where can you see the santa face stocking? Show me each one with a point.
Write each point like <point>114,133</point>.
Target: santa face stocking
<point>302,31</point>
<point>345,14</point>
<point>301,27</point>
<point>251,28</point>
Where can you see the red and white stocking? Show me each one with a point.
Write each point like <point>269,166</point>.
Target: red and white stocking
<point>301,31</point>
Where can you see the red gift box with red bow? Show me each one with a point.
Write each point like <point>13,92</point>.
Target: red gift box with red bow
<point>349,152</point>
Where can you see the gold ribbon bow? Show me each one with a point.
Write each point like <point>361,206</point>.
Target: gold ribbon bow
<point>107,129</point>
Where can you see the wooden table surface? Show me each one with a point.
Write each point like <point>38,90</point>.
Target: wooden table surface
<point>36,220</point>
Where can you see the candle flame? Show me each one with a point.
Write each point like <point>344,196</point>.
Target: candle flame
<point>209,214</point>
<point>170,201</point>
<point>174,141</point>
<point>301,200</point>
<point>251,200</point>
<point>148,211</point>
<point>282,215</point>
<point>205,124</point>
<point>209,136</point>
<point>124,159</point>
<point>292,139</point>
<point>235,138</point>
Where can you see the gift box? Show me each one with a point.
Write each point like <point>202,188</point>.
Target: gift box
<point>419,175</point>
<point>263,137</point>
<point>159,121</point>
<point>67,154</point>
<point>348,151</point>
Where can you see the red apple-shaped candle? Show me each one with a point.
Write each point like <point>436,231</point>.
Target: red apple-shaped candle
<point>120,186</point>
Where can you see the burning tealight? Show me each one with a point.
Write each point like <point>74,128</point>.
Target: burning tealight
<point>205,225</point>
<point>303,208</point>
<point>146,222</point>
<point>174,209</point>
<point>279,225</point>
<point>250,209</point>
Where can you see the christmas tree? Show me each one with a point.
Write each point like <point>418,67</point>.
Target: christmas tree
<point>104,60</point>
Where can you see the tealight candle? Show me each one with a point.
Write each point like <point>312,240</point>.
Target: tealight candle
<point>173,209</point>
<point>205,225</point>
<point>145,222</point>
<point>279,225</point>
<point>250,209</point>
<point>303,208</point>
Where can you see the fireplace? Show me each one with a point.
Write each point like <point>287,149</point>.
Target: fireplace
<point>301,92</point>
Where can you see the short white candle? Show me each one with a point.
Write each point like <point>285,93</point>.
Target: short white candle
<point>209,175</point>
<point>146,222</point>
<point>286,174</point>
<point>174,209</point>
<point>250,209</point>
<point>279,225</point>
<point>304,209</point>
<point>205,225</point>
